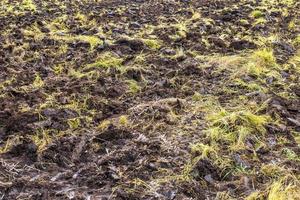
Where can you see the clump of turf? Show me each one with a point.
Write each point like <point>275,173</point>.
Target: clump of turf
<point>257,14</point>
<point>152,43</point>
<point>133,86</point>
<point>235,127</point>
<point>106,60</point>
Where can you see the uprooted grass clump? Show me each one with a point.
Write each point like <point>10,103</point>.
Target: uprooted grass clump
<point>264,58</point>
<point>152,43</point>
<point>106,61</point>
<point>41,139</point>
<point>257,14</point>
<point>286,187</point>
<point>235,127</point>
<point>259,63</point>
<point>133,86</point>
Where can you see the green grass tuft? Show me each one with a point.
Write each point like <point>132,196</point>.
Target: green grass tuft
<point>264,58</point>
<point>106,61</point>
<point>257,14</point>
<point>235,127</point>
<point>133,86</point>
<point>152,44</point>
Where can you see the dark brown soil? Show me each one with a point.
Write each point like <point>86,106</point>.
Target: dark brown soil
<point>124,131</point>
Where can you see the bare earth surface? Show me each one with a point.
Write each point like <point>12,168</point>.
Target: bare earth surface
<point>150,99</point>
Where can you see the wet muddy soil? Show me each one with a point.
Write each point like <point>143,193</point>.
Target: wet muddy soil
<point>113,99</point>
